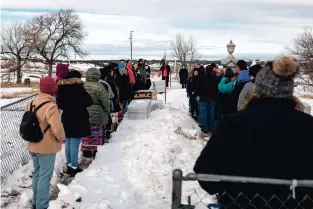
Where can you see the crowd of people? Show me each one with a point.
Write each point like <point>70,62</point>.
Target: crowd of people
<point>80,114</point>
<point>262,130</point>
<point>215,93</point>
<point>254,119</point>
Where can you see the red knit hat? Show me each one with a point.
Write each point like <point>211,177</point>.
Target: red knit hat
<point>48,85</point>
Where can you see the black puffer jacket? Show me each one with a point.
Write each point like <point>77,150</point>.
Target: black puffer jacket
<point>270,139</point>
<point>73,99</point>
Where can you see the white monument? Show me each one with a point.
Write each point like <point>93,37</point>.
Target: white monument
<point>230,61</point>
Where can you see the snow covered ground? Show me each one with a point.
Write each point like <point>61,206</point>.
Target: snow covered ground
<point>135,169</point>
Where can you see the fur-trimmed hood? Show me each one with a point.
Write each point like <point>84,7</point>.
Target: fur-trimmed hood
<point>70,81</point>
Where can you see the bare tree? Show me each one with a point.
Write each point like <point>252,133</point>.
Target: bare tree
<point>57,35</point>
<point>303,49</point>
<point>15,45</point>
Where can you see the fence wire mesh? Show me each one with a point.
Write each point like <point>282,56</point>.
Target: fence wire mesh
<point>14,153</point>
<point>241,201</point>
<point>199,199</point>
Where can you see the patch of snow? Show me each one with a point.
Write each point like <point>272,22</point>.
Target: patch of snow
<point>134,170</point>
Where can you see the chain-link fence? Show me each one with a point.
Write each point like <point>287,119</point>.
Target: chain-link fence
<point>200,199</point>
<point>14,153</point>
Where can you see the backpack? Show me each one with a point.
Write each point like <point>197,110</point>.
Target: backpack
<point>29,129</point>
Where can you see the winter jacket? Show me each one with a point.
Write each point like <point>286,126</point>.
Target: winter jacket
<point>111,88</point>
<point>243,76</point>
<point>48,114</point>
<point>270,139</point>
<point>206,88</point>
<point>226,86</point>
<point>143,73</point>
<point>123,84</point>
<point>100,109</point>
<point>131,75</point>
<point>192,84</point>
<point>74,100</point>
<point>245,92</point>
<point>140,84</point>
<point>237,88</point>
<point>148,72</point>
<point>183,75</point>
<point>168,68</point>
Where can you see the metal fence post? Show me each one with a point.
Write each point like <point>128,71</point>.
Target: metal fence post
<point>177,187</point>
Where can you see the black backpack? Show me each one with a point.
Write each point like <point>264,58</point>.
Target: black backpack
<point>29,128</point>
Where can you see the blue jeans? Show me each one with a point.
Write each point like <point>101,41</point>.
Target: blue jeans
<point>206,115</point>
<point>43,170</point>
<point>72,151</point>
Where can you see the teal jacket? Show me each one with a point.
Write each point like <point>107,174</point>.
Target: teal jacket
<point>226,87</point>
<point>100,110</point>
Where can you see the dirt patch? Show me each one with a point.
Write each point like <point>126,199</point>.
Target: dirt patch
<point>34,85</point>
<point>306,96</point>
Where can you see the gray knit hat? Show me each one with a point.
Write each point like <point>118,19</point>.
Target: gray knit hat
<point>277,80</point>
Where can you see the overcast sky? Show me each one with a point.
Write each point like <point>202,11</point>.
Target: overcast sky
<point>260,28</point>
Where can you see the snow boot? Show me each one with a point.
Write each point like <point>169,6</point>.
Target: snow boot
<point>75,171</point>
<point>69,170</point>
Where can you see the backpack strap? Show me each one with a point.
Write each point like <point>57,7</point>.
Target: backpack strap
<point>42,104</point>
<point>39,106</point>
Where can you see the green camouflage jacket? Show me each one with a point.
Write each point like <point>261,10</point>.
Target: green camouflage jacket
<point>100,110</point>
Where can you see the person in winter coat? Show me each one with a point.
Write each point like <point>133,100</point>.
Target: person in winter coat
<point>139,85</point>
<point>249,87</point>
<point>74,100</point>
<point>183,75</point>
<point>99,113</point>
<point>124,86</point>
<point>44,152</point>
<point>108,82</point>
<point>148,75</point>
<point>205,94</point>
<point>243,77</point>
<point>143,72</point>
<point>130,72</point>
<point>218,76</point>
<point>269,138</point>
<point>191,87</point>
<point>165,71</point>
<point>61,72</point>
<point>225,88</point>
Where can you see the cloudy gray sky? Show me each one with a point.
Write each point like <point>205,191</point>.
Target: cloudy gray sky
<point>260,28</point>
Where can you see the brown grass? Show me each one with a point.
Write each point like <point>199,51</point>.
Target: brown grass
<point>34,85</point>
<point>305,96</point>
<point>18,94</point>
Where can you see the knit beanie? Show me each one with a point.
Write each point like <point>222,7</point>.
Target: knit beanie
<point>48,85</point>
<point>277,80</point>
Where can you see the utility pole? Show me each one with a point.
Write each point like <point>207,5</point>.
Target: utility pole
<point>131,45</point>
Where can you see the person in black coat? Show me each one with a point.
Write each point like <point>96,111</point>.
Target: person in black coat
<point>205,93</point>
<point>183,75</point>
<point>73,100</point>
<point>148,75</point>
<point>191,87</point>
<point>121,78</point>
<point>270,138</point>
